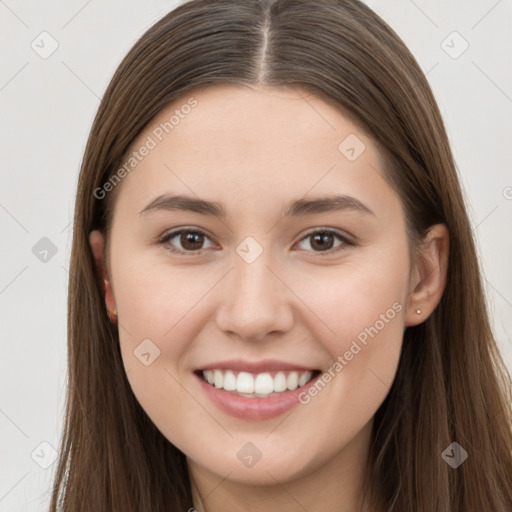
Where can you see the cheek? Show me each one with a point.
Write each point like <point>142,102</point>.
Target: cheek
<point>157,306</point>
<point>359,320</point>
<point>361,300</point>
<point>155,299</point>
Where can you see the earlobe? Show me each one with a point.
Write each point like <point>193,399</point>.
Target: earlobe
<point>430,275</point>
<point>96,241</point>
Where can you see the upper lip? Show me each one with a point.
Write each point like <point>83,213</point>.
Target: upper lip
<point>266,365</point>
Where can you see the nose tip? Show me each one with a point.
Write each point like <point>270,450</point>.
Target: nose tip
<point>255,303</point>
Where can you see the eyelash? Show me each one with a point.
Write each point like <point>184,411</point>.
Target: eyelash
<point>169,236</point>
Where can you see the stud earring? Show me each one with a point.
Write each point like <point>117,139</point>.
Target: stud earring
<point>418,311</point>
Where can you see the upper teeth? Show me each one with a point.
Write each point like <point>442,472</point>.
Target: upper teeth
<point>259,384</point>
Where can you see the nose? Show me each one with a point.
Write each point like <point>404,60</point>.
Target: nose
<point>255,302</point>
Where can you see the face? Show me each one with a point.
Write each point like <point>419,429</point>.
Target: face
<point>265,294</point>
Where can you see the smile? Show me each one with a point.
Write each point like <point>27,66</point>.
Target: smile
<point>257,385</point>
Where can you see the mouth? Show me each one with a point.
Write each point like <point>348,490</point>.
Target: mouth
<point>257,385</point>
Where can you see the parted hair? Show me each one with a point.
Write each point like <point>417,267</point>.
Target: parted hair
<point>451,383</point>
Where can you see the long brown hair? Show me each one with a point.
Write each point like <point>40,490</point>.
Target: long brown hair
<point>451,384</point>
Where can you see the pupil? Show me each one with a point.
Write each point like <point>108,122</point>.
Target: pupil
<point>188,239</point>
<point>323,240</point>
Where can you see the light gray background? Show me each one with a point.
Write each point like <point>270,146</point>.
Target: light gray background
<point>47,107</point>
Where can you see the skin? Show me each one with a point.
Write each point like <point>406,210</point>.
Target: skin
<point>254,149</point>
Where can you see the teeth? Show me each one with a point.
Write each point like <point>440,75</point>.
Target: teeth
<point>256,385</point>
<point>279,382</point>
<point>244,383</point>
<point>264,384</point>
<point>303,378</point>
<point>229,383</point>
<point>292,381</point>
<point>217,378</point>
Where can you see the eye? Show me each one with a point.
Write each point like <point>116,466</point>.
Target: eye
<point>190,239</point>
<point>322,241</point>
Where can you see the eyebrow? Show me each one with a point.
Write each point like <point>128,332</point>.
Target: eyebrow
<point>297,208</point>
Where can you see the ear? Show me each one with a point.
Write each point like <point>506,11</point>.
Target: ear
<point>429,275</point>
<point>96,240</point>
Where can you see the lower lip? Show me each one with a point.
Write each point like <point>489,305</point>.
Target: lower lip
<point>254,408</point>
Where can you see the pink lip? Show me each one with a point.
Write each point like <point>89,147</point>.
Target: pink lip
<point>253,408</point>
<point>266,365</point>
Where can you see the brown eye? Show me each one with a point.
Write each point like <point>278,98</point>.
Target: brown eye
<point>189,241</point>
<point>324,241</point>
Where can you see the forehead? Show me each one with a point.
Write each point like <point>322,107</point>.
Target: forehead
<point>237,142</point>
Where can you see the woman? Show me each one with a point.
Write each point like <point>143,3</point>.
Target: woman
<point>275,301</point>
